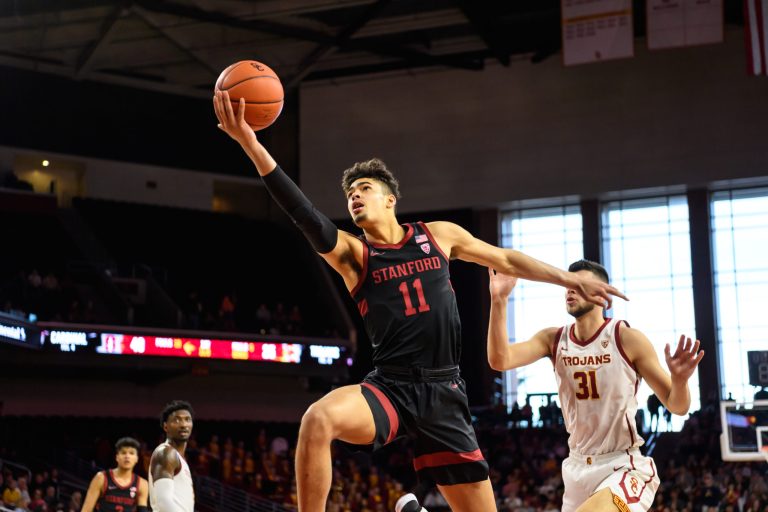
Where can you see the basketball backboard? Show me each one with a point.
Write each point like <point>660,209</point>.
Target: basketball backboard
<point>745,430</point>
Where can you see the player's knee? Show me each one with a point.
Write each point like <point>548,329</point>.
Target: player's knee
<point>316,424</point>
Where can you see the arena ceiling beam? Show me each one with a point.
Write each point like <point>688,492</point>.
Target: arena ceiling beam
<point>147,18</point>
<point>343,36</point>
<point>85,58</point>
<point>478,57</point>
<point>481,20</point>
<point>414,57</point>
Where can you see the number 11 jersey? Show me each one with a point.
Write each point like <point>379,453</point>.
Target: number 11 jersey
<point>407,302</point>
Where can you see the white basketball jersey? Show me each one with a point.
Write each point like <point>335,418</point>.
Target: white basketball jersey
<point>597,387</point>
<point>183,488</point>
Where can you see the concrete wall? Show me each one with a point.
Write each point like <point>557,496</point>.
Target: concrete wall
<point>467,139</point>
<point>130,182</point>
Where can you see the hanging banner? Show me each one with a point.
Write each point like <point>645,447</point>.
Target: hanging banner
<point>756,31</point>
<point>676,23</point>
<point>596,30</point>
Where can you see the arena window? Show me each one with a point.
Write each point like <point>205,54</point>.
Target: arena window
<point>553,235</point>
<point>740,243</point>
<point>647,252</point>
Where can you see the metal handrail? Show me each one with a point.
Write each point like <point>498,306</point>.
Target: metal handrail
<point>224,498</point>
<point>4,463</point>
<point>209,493</point>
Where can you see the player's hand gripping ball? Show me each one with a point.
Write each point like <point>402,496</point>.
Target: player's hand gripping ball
<point>259,86</point>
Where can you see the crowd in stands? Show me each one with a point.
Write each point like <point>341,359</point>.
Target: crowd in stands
<point>525,462</point>
<point>265,467</point>
<point>45,294</point>
<point>51,297</point>
<point>694,477</point>
<point>229,314</point>
<point>116,263</point>
<point>40,494</point>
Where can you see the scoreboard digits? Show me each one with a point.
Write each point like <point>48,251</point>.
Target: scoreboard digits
<point>113,343</point>
<point>758,367</point>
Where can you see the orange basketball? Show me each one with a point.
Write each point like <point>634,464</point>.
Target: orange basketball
<point>261,88</point>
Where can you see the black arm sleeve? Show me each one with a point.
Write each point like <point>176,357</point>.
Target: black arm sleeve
<point>319,230</point>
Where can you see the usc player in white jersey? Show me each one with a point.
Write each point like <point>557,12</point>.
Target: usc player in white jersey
<point>598,365</point>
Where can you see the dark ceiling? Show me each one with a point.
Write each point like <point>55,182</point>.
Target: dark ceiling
<point>180,46</point>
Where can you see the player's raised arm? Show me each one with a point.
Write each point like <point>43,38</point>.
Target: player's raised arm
<point>671,388</point>
<point>459,243</point>
<point>94,492</point>
<point>340,249</point>
<point>503,355</point>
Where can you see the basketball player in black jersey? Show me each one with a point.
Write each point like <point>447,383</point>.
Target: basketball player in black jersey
<point>119,489</point>
<point>398,275</point>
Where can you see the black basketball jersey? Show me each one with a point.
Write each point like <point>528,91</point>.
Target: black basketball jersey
<point>115,497</point>
<point>407,302</point>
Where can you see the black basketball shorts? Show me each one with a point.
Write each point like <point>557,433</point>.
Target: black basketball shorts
<point>435,415</point>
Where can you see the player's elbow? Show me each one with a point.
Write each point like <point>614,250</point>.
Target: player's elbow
<point>497,362</point>
<point>678,407</point>
<point>508,267</point>
<point>495,365</point>
<point>680,410</point>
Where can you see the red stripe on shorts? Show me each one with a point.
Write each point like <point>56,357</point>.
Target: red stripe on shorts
<point>432,460</point>
<point>394,422</point>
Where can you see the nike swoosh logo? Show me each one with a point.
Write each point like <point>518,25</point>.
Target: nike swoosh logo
<point>618,468</point>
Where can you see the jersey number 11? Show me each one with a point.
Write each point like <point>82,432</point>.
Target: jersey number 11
<point>409,309</point>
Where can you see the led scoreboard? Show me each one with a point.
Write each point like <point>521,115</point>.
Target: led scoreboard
<point>18,332</point>
<point>286,350</point>
<point>199,348</point>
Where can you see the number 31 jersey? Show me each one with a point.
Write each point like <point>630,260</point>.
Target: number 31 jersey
<point>597,387</point>
<point>407,302</point>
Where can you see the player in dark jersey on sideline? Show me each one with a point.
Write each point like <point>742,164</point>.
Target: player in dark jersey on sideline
<point>398,276</point>
<point>119,489</point>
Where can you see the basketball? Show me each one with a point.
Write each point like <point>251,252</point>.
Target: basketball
<point>261,88</point>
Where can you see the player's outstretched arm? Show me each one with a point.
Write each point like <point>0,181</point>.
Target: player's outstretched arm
<point>94,492</point>
<point>503,355</point>
<point>340,249</point>
<point>459,243</point>
<point>671,388</point>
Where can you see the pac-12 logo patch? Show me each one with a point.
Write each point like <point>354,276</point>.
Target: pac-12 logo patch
<point>133,492</point>
<point>604,343</point>
<point>426,248</point>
